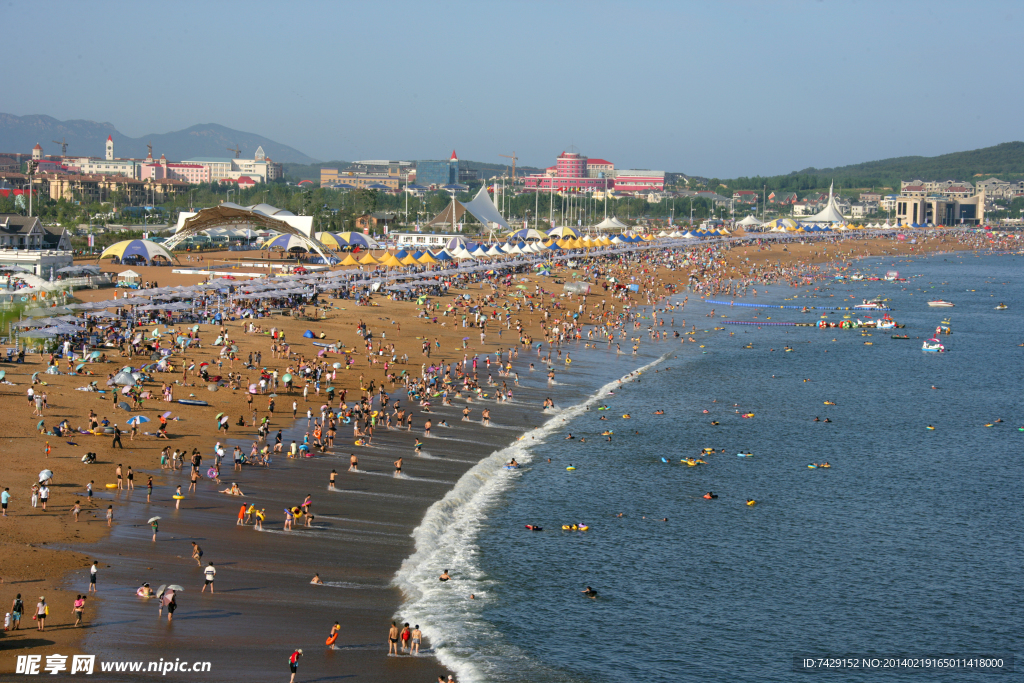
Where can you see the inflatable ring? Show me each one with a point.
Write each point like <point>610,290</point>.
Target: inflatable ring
<point>330,641</point>
<point>111,486</point>
<point>178,497</point>
<point>24,298</point>
<point>570,468</point>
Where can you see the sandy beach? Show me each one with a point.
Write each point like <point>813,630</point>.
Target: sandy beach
<point>264,605</point>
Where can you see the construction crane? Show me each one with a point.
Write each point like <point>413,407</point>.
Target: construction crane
<point>236,149</point>
<point>149,146</point>
<point>514,158</point>
<point>63,146</point>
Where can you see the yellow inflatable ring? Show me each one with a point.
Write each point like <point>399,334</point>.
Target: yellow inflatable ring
<point>178,497</point>
<point>111,486</point>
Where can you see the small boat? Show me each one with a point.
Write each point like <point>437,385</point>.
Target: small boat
<point>1001,307</point>
<point>875,305</point>
<point>933,345</point>
<point>901,336</point>
<point>940,303</point>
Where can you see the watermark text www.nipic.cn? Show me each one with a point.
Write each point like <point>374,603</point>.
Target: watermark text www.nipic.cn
<point>86,664</point>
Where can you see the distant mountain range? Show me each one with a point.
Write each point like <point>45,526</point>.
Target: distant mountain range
<point>87,138</point>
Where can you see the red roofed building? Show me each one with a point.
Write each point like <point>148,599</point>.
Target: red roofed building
<point>570,174</point>
<point>163,169</point>
<point>599,168</point>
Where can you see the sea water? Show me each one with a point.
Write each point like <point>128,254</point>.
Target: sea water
<point>908,544</point>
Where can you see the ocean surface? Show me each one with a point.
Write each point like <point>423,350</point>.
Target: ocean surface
<point>909,544</point>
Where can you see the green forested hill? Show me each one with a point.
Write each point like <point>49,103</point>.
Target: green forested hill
<point>1005,160</point>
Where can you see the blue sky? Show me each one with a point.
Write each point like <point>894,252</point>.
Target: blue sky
<point>716,88</point>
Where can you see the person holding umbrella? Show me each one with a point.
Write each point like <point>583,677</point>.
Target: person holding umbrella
<point>167,595</point>
<point>155,523</point>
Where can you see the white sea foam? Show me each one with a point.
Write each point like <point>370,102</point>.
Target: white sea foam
<point>446,538</point>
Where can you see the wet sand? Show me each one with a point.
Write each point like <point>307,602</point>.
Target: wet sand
<point>360,535</point>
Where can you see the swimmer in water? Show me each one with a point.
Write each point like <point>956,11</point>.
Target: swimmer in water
<point>570,437</point>
<point>444,576</point>
<point>317,580</point>
<point>659,412</point>
<point>513,463</point>
<point>589,592</point>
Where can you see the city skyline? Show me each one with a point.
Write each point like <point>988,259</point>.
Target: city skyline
<point>722,90</point>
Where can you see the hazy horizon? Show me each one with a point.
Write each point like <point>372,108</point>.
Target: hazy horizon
<point>724,89</point>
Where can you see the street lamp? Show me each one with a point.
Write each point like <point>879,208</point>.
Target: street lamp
<point>229,195</point>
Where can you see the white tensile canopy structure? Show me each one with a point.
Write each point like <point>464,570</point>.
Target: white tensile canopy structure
<point>749,222</point>
<point>481,208</point>
<point>830,214</point>
<point>258,217</point>
<point>610,224</point>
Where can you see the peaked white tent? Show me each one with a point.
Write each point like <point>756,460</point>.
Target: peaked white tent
<point>610,224</point>
<point>483,209</point>
<point>830,214</point>
<point>749,222</point>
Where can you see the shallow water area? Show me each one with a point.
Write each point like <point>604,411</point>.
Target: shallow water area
<point>906,545</point>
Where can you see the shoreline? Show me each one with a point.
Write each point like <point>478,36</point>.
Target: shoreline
<point>192,416</point>
<point>451,526</point>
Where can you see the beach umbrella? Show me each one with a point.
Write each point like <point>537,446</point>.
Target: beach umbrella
<point>166,415</point>
<point>45,474</point>
<point>126,390</point>
<point>124,378</point>
<point>39,425</point>
<point>79,367</point>
<point>138,419</point>
<point>286,243</point>
<point>286,377</point>
<point>212,387</point>
<point>336,366</point>
<point>142,248</point>
<point>124,406</point>
<point>153,519</point>
<point>252,388</point>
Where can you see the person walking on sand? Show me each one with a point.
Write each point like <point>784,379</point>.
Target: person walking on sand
<point>78,608</point>
<point>241,516</point>
<point>393,639</point>
<point>5,498</point>
<point>41,611</point>
<point>293,663</point>
<point>77,509</point>
<point>334,476</point>
<point>44,495</point>
<point>398,467</point>
<point>210,573</point>
<point>117,442</point>
<point>120,479</point>
<point>17,609</point>
<point>197,553</point>
<point>110,515</point>
<point>92,576</point>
